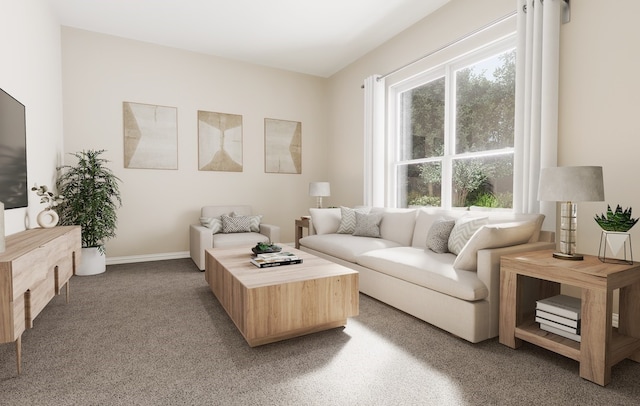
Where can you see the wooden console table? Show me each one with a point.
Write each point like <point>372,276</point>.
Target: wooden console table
<point>525,278</point>
<point>35,266</point>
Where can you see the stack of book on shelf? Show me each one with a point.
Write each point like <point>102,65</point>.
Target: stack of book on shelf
<point>560,315</point>
<point>275,259</point>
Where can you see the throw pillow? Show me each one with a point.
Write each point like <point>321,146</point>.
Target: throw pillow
<point>348,220</point>
<point>368,225</point>
<point>493,236</point>
<point>462,231</point>
<point>254,221</point>
<point>214,223</point>
<point>438,235</point>
<point>239,224</point>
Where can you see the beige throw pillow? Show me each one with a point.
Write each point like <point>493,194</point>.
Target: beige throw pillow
<point>493,236</point>
<point>462,232</point>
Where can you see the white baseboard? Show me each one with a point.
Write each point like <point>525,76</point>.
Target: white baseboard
<point>147,258</point>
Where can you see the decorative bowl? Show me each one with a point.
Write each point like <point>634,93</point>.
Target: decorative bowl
<point>266,249</point>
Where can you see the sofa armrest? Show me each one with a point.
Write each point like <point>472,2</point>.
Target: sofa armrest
<point>271,231</point>
<point>200,239</point>
<point>489,273</point>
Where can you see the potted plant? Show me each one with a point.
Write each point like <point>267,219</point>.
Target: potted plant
<point>618,221</point>
<point>91,199</point>
<point>615,232</point>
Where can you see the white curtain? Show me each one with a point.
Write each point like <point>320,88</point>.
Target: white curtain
<point>536,122</point>
<point>374,146</point>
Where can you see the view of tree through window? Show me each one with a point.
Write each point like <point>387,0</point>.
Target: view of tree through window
<point>468,162</point>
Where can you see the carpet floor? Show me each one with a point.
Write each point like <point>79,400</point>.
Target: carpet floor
<point>154,334</point>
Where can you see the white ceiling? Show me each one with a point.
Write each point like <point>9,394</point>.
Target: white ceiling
<point>317,37</point>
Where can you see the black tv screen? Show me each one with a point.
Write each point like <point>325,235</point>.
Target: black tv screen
<point>13,153</point>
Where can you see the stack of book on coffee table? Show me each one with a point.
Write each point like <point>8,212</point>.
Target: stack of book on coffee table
<point>560,315</point>
<point>267,260</point>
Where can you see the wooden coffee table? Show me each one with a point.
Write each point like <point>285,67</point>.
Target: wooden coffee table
<point>277,303</point>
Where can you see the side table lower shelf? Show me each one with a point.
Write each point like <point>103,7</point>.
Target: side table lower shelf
<point>621,345</point>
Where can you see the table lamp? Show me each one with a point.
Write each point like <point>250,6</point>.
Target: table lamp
<point>319,190</point>
<point>570,184</point>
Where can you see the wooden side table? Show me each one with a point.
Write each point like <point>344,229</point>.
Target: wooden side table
<point>527,277</point>
<point>301,223</point>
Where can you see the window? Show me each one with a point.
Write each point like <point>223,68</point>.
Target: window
<point>452,130</point>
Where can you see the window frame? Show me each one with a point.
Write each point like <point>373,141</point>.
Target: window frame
<point>447,70</point>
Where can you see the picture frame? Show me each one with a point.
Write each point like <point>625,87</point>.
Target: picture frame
<point>150,136</point>
<point>219,142</point>
<point>282,146</point>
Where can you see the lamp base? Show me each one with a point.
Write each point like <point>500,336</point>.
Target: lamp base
<point>571,257</point>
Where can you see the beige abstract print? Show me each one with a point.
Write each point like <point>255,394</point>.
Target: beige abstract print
<point>150,136</point>
<point>283,146</point>
<point>219,142</point>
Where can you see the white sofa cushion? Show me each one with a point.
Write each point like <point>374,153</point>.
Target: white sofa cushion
<point>325,221</point>
<point>345,246</point>
<point>222,240</point>
<point>463,230</point>
<point>493,236</point>
<point>425,268</point>
<point>397,224</point>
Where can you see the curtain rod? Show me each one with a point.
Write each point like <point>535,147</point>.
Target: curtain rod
<point>472,33</point>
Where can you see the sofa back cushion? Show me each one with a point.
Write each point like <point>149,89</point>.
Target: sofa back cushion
<point>325,221</point>
<point>397,224</point>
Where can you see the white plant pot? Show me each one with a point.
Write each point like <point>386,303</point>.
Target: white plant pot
<point>93,262</point>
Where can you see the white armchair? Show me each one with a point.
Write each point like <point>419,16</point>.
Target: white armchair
<point>202,238</point>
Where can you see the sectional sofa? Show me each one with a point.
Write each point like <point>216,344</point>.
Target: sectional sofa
<point>442,266</point>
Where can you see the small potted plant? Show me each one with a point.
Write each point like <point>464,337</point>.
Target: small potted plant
<point>91,199</point>
<point>615,231</point>
<point>618,221</point>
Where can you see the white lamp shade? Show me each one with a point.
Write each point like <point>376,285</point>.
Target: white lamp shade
<point>319,189</point>
<point>571,184</point>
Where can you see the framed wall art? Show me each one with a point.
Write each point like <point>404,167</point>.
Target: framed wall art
<point>150,136</point>
<point>219,142</point>
<point>282,146</point>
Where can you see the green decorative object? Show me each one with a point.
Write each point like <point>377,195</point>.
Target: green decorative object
<point>619,221</point>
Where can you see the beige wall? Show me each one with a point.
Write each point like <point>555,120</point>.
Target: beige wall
<point>30,72</point>
<point>101,71</point>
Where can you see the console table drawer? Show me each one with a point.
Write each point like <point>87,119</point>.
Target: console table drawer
<point>28,270</point>
<point>38,296</point>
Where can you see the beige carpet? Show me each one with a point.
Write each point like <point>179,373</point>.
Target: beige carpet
<point>153,334</point>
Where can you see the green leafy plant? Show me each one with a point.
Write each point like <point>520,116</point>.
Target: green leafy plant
<point>91,198</point>
<point>616,221</point>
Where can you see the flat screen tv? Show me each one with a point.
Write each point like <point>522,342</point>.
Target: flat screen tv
<point>13,153</point>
